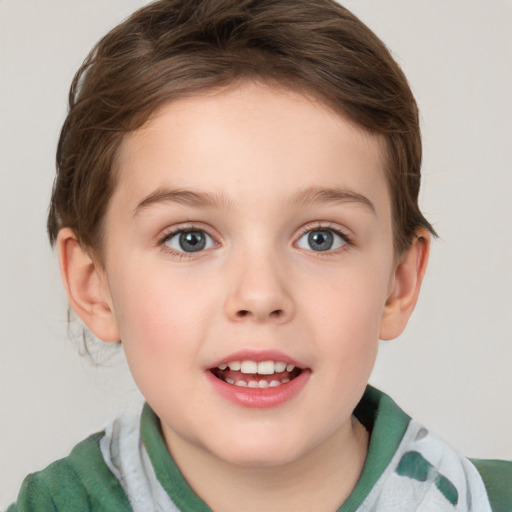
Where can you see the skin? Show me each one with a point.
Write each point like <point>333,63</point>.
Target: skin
<point>258,285</point>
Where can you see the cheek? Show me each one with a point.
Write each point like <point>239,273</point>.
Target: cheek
<point>161,335</point>
<point>160,319</point>
<point>345,312</point>
<point>349,300</point>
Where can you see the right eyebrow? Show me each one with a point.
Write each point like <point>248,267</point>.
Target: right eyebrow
<point>183,196</point>
<point>312,195</point>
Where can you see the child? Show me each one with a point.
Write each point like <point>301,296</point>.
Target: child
<point>236,201</point>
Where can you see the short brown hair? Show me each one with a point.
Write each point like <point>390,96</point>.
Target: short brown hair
<point>175,48</point>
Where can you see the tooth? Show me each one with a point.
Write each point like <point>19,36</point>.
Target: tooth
<point>222,366</point>
<point>241,383</point>
<point>229,381</point>
<point>284,381</point>
<point>289,367</point>
<point>274,384</point>
<point>263,384</point>
<point>248,367</point>
<point>234,365</point>
<point>266,368</point>
<point>279,367</point>
<point>252,384</point>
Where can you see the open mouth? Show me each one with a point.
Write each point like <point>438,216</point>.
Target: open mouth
<point>252,374</point>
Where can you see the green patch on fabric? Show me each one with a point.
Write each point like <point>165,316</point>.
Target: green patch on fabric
<point>447,489</point>
<point>414,465</point>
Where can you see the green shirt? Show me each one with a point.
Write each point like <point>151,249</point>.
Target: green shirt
<point>127,467</point>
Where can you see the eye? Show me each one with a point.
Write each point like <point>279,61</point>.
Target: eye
<point>321,240</point>
<point>189,241</point>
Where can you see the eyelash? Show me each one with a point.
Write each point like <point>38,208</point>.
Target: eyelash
<point>319,226</point>
<point>168,235</point>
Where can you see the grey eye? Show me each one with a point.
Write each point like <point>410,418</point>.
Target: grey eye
<point>190,241</point>
<point>321,240</point>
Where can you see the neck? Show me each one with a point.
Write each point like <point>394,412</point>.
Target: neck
<point>319,480</point>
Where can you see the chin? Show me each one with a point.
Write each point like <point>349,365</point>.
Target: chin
<point>264,452</point>
<point>259,460</point>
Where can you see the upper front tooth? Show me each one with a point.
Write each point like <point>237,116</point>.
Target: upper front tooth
<point>279,366</point>
<point>266,368</point>
<point>248,367</point>
<point>262,368</point>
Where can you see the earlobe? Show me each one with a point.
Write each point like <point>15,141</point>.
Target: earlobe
<point>86,287</point>
<point>405,287</point>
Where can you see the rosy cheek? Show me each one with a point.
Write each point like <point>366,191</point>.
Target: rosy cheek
<point>158,317</point>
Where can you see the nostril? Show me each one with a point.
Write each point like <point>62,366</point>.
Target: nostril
<point>275,314</point>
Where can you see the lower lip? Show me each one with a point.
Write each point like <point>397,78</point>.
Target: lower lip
<point>259,398</point>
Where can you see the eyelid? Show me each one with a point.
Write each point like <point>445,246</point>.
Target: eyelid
<point>327,226</point>
<point>172,231</point>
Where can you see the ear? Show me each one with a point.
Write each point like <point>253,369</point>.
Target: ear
<point>86,285</point>
<point>405,286</point>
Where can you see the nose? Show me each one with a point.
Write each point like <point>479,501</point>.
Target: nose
<point>259,291</point>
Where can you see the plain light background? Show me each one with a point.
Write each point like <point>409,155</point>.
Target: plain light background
<point>451,369</point>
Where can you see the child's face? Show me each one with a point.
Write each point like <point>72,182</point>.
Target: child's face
<point>289,258</point>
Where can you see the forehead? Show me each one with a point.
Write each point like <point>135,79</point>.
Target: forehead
<point>249,141</point>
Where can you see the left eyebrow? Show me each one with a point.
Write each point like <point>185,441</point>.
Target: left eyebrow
<point>315,195</point>
<point>185,197</point>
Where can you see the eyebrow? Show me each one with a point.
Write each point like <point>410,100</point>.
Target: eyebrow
<point>184,197</point>
<point>310,195</point>
<point>319,195</point>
